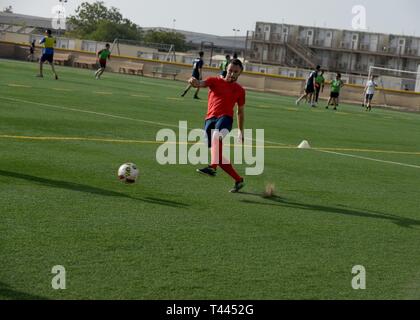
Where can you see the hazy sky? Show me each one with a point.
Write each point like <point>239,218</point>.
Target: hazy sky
<point>221,17</point>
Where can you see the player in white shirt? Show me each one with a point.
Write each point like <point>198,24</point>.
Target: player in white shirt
<point>369,92</point>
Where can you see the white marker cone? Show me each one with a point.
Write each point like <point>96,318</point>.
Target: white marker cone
<point>304,145</point>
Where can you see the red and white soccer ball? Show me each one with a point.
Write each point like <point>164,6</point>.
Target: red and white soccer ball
<point>128,173</point>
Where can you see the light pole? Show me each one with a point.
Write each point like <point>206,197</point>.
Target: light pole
<point>235,31</point>
<point>173,25</point>
<point>61,14</point>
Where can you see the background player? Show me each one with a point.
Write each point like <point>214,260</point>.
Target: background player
<point>336,86</point>
<point>369,92</point>
<point>31,56</point>
<point>310,87</point>
<point>319,85</point>
<point>224,65</point>
<point>103,55</point>
<point>47,53</point>
<point>197,73</point>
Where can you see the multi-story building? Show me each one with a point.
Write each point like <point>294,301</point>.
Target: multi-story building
<point>336,50</point>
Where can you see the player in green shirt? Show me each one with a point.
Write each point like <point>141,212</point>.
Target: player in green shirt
<point>103,55</point>
<point>224,65</point>
<point>336,86</point>
<point>319,85</point>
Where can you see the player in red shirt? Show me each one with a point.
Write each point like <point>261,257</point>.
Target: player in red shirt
<point>224,94</point>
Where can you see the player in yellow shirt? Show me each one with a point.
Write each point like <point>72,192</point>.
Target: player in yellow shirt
<point>47,53</point>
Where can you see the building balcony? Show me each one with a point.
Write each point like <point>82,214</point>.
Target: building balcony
<point>258,37</point>
<point>270,38</point>
<point>412,52</point>
<point>344,47</point>
<point>255,56</point>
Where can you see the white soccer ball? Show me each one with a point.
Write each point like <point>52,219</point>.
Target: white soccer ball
<point>128,173</point>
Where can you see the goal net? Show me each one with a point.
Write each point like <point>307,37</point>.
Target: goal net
<point>141,49</point>
<point>394,80</point>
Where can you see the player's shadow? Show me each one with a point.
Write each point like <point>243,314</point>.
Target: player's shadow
<point>6,292</point>
<point>339,209</point>
<point>72,186</point>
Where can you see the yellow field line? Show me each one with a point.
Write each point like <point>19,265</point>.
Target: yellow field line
<point>80,139</point>
<point>191,143</point>
<point>118,141</point>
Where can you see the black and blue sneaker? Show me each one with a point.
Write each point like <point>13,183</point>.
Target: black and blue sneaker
<point>238,186</point>
<point>209,171</point>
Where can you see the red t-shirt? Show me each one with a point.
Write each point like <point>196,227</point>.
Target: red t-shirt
<point>223,96</point>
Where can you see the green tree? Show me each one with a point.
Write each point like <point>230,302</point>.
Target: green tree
<point>8,9</point>
<point>164,37</point>
<point>108,31</point>
<point>96,22</point>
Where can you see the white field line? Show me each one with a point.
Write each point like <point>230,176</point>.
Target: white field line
<point>160,124</point>
<point>370,159</point>
<point>175,126</point>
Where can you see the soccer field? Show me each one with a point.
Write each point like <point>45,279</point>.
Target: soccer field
<point>352,200</point>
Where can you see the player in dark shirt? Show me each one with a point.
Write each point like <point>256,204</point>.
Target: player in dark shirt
<point>197,73</point>
<point>31,56</point>
<point>310,87</point>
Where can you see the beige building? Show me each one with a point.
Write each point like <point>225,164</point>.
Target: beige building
<point>336,50</point>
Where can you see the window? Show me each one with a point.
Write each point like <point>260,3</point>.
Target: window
<point>309,32</point>
<point>329,34</point>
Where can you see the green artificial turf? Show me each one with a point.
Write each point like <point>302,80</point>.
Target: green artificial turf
<point>178,235</point>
